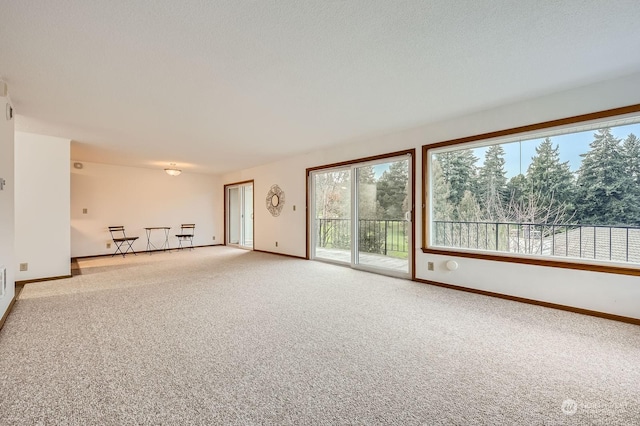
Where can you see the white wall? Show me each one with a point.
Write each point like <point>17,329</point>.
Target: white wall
<point>42,206</point>
<point>137,198</point>
<point>609,293</point>
<point>7,250</point>
<point>289,228</point>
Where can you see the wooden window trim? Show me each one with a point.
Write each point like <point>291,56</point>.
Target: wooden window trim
<point>594,267</point>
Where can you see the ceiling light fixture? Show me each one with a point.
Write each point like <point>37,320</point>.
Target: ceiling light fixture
<point>172,171</point>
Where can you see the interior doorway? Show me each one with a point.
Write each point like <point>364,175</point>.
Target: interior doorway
<point>239,214</point>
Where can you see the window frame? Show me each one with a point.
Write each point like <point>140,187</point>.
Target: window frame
<point>496,136</point>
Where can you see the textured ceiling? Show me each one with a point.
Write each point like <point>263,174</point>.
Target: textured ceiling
<point>218,85</point>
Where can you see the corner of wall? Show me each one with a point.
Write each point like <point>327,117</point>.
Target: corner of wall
<point>7,205</point>
<point>42,175</point>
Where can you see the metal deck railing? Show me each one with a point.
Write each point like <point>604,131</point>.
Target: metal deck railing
<point>375,236</point>
<point>615,243</point>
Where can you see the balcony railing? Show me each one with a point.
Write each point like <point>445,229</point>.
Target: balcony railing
<point>615,243</point>
<point>375,236</point>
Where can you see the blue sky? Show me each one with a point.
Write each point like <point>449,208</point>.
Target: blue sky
<point>379,169</point>
<point>571,146</point>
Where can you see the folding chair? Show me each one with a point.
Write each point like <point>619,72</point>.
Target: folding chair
<point>186,235</point>
<point>121,240</point>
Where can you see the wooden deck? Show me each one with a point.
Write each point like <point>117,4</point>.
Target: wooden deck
<point>365,259</point>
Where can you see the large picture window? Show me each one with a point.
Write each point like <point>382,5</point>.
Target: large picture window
<point>565,192</point>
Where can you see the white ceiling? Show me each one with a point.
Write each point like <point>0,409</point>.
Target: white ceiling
<point>221,85</point>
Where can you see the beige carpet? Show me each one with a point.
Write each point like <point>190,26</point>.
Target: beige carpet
<point>225,336</point>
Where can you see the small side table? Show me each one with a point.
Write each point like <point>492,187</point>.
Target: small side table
<point>165,244</point>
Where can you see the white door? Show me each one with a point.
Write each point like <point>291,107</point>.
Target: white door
<point>240,215</point>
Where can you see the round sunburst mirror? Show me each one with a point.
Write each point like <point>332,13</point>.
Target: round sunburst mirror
<point>275,200</point>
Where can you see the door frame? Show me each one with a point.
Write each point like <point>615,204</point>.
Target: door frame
<point>226,212</point>
<point>411,153</point>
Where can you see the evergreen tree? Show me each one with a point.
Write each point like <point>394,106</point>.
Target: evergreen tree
<point>367,192</point>
<point>492,183</point>
<point>441,208</point>
<point>392,190</point>
<point>550,184</point>
<point>468,209</point>
<point>631,155</point>
<point>366,174</point>
<point>603,184</point>
<point>518,189</point>
<point>459,168</point>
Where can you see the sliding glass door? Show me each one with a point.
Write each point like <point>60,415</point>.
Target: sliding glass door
<point>332,193</point>
<point>239,214</point>
<point>361,215</point>
<point>383,213</point>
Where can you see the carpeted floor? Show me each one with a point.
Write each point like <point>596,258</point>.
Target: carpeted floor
<point>225,336</point>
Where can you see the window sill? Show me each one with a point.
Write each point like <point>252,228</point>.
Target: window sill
<point>537,261</point>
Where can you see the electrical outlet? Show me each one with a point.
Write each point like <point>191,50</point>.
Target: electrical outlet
<point>430,266</point>
<point>276,244</point>
<point>24,267</point>
<point>84,211</point>
<point>108,245</point>
<point>214,238</point>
